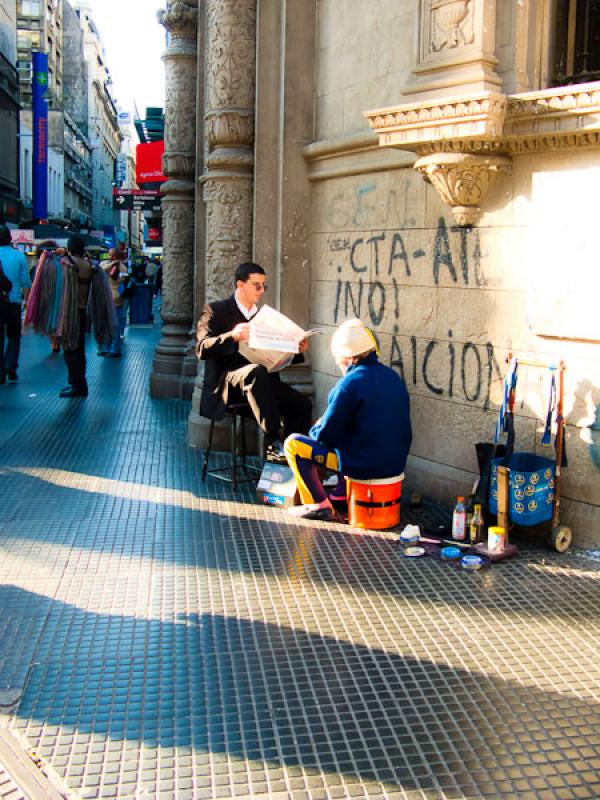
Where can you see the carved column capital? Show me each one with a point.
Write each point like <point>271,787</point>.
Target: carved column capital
<point>234,127</point>
<point>180,17</point>
<point>462,180</point>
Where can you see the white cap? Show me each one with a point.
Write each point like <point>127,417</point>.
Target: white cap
<point>351,339</point>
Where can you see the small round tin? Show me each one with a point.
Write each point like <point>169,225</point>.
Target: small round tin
<point>414,552</point>
<point>471,563</point>
<point>450,553</point>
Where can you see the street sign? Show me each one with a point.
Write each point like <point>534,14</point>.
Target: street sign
<point>136,200</point>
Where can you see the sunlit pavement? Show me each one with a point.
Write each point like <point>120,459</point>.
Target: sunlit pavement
<point>165,639</point>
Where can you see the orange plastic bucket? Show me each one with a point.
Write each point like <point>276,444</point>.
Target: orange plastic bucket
<point>374,504</point>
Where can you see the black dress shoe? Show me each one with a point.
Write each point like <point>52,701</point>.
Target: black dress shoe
<point>71,392</point>
<point>2,378</point>
<point>12,376</point>
<point>275,452</point>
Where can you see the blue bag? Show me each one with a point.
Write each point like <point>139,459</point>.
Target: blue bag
<point>530,487</point>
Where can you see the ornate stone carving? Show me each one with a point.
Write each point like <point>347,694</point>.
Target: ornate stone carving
<point>451,24</point>
<point>178,164</point>
<point>450,132</point>
<point>463,180</point>
<point>181,20</point>
<point>231,45</point>
<point>228,233</point>
<point>447,118</point>
<point>178,234</point>
<point>179,17</point>
<point>229,130</point>
<point>180,105</point>
<point>234,128</point>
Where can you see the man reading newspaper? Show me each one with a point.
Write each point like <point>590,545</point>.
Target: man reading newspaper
<point>231,374</point>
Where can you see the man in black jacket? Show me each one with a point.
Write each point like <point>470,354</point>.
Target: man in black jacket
<point>229,377</point>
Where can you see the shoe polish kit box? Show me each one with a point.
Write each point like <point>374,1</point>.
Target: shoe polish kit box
<point>277,486</point>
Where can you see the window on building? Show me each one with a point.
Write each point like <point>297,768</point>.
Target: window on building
<point>28,40</point>
<point>25,70</point>
<point>28,8</point>
<point>577,45</point>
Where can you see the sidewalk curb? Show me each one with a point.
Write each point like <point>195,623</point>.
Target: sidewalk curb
<point>19,772</point>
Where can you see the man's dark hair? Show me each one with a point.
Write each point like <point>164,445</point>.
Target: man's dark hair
<point>4,236</point>
<point>244,271</point>
<point>76,246</point>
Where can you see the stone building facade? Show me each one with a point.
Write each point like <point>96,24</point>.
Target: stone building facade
<point>9,113</point>
<point>428,166</point>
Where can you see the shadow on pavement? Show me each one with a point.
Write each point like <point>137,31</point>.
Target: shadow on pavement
<point>291,697</point>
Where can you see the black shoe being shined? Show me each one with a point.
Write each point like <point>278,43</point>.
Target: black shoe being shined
<point>274,452</point>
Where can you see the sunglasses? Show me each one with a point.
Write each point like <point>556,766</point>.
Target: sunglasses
<point>259,286</point>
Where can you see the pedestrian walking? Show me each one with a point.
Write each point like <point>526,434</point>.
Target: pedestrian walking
<point>79,270</point>
<point>14,267</point>
<point>117,274</point>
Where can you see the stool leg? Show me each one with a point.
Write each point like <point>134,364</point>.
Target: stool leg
<point>234,451</point>
<point>242,421</point>
<point>207,451</point>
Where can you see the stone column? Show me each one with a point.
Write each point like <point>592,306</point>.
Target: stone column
<point>168,378</point>
<point>230,69</point>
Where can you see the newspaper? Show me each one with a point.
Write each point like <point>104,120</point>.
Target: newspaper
<point>274,339</point>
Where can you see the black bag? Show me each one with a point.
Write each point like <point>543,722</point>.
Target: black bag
<point>5,286</point>
<point>127,287</point>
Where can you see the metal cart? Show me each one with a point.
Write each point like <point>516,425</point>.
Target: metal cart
<point>561,536</point>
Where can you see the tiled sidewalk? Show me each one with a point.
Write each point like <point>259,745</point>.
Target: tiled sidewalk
<point>171,640</point>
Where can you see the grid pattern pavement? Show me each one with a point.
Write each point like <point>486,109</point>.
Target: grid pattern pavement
<point>169,639</point>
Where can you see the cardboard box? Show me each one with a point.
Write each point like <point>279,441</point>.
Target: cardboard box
<point>277,486</point>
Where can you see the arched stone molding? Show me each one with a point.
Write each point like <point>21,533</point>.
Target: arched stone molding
<point>227,183</point>
<point>169,378</point>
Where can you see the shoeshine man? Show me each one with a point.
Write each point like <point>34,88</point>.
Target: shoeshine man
<point>365,432</point>
<point>231,378</point>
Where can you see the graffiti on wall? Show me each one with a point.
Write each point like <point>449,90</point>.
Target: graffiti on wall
<point>379,265</point>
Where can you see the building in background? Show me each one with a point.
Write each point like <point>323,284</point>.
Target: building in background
<point>78,175</point>
<point>132,220</point>
<point>78,150</point>
<point>103,129</point>
<point>40,27</point>
<point>9,114</point>
<point>149,172</point>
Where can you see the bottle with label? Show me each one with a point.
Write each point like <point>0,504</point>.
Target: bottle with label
<point>459,520</point>
<point>476,525</point>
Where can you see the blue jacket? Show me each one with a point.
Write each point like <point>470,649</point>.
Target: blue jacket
<point>14,266</point>
<point>367,421</point>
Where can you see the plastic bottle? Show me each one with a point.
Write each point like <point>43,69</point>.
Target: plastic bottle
<point>459,520</point>
<point>476,526</point>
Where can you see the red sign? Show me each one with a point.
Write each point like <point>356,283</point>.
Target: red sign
<point>145,193</point>
<point>148,167</point>
<point>24,236</point>
<point>154,234</point>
